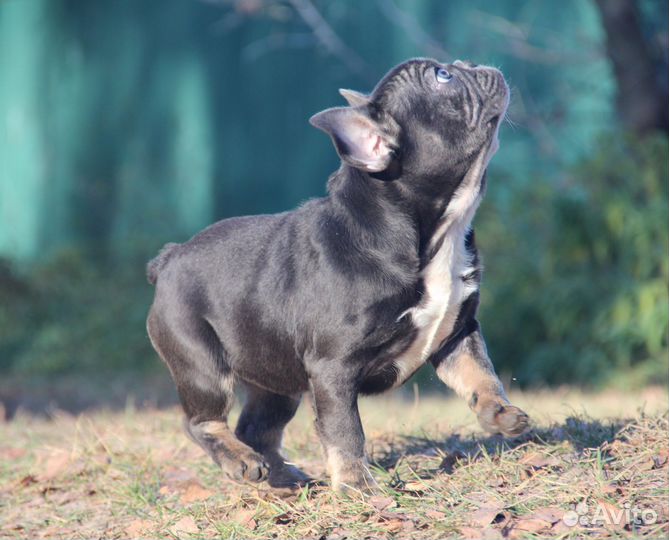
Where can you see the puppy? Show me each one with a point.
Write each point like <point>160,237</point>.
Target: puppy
<point>349,294</point>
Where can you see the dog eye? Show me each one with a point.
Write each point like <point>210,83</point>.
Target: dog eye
<point>443,76</point>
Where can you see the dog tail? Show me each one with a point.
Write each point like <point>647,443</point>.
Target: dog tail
<point>155,265</point>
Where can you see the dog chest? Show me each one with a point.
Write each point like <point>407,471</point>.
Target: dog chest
<point>444,287</point>
<point>435,316</point>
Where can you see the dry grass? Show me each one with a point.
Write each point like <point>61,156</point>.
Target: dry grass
<point>134,474</point>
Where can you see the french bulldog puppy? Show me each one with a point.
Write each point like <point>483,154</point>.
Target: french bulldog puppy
<point>348,294</point>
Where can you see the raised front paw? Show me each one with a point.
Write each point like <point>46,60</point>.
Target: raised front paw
<point>496,416</point>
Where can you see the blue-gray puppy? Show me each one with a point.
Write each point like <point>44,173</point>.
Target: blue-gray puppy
<point>349,294</point>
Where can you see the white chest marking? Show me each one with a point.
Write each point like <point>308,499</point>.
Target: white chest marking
<point>435,315</point>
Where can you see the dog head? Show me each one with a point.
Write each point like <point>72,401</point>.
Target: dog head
<point>424,120</point>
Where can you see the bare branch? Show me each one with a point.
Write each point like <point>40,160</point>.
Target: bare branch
<point>419,36</point>
<point>329,39</point>
<point>262,46</point>
<point>515,42</point>
<point>642,103</point>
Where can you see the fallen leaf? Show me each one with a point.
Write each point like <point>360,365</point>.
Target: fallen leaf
<point>175,477</point>
<point>340,533</point>
<point>392,516</point>
<point>283,519</point>
<point>186,525</point>
<point>137,527</point>
<point>498,481</point>
<point>435,514</point>
<point>416,487</point>
<point>471,533</point>
<point>561,528</point>
<point>551,514</point>
<point>646,465</point>
<point>8,453</point>
<point>363,516</point>
<point>394,526</point>
<point>163,455</point>
<point>184,482</point>
<point>614,448</point>
<point>54,465</point>
<point>116,474</point>
<point>195,492</point>
<point>245,518</point>
<point>28,480</point>
<point>381,503</point>
<point>487,515</point>
<point>531,524</point>
<point>538,460</point>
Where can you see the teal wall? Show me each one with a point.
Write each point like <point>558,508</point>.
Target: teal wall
<point>125,123</point>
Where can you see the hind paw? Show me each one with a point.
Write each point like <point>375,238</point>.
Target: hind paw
<point>285,475</point>
<point>248,467</point>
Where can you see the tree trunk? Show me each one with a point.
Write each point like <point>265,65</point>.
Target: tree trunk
<point>642,104</point>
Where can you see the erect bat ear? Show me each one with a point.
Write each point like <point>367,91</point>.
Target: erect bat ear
<point>360,141</point>
<point>354,99</point>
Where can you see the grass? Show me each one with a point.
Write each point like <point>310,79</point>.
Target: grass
<point>133,473</point>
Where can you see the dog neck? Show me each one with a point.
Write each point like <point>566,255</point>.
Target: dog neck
<point>403,214</point>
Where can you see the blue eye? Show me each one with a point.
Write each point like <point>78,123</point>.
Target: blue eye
<point>443,76</point>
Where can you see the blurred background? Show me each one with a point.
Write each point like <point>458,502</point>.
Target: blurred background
<point>125,124</point>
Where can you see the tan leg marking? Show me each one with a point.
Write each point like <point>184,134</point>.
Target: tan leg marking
<point>348,474</point>
<point>465,375</point>
<point>238,460</point>
<point>473,378</point>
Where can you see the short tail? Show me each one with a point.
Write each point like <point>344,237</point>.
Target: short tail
<point>155,265</point>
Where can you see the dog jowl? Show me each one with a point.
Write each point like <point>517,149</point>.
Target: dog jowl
<point>348,294</point>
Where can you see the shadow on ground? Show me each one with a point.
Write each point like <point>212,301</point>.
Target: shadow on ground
<point>580,433</point>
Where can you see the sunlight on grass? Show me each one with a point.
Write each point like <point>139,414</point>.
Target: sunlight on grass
<point>134,474</point>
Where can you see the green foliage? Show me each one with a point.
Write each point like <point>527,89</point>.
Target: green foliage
<point>71,315</point>
<point>577,290</point>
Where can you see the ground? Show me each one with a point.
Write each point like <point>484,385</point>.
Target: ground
<point>594,465</point>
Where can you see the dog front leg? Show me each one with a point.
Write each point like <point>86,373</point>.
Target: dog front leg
<point>338,423</point>
<point>467,369</point>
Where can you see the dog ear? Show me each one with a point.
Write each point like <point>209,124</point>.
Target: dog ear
<point>354,99</point>
<point>360,141</point>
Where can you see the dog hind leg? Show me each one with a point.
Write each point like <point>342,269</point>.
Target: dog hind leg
<point>261,424</point>
<point>205,385</point>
